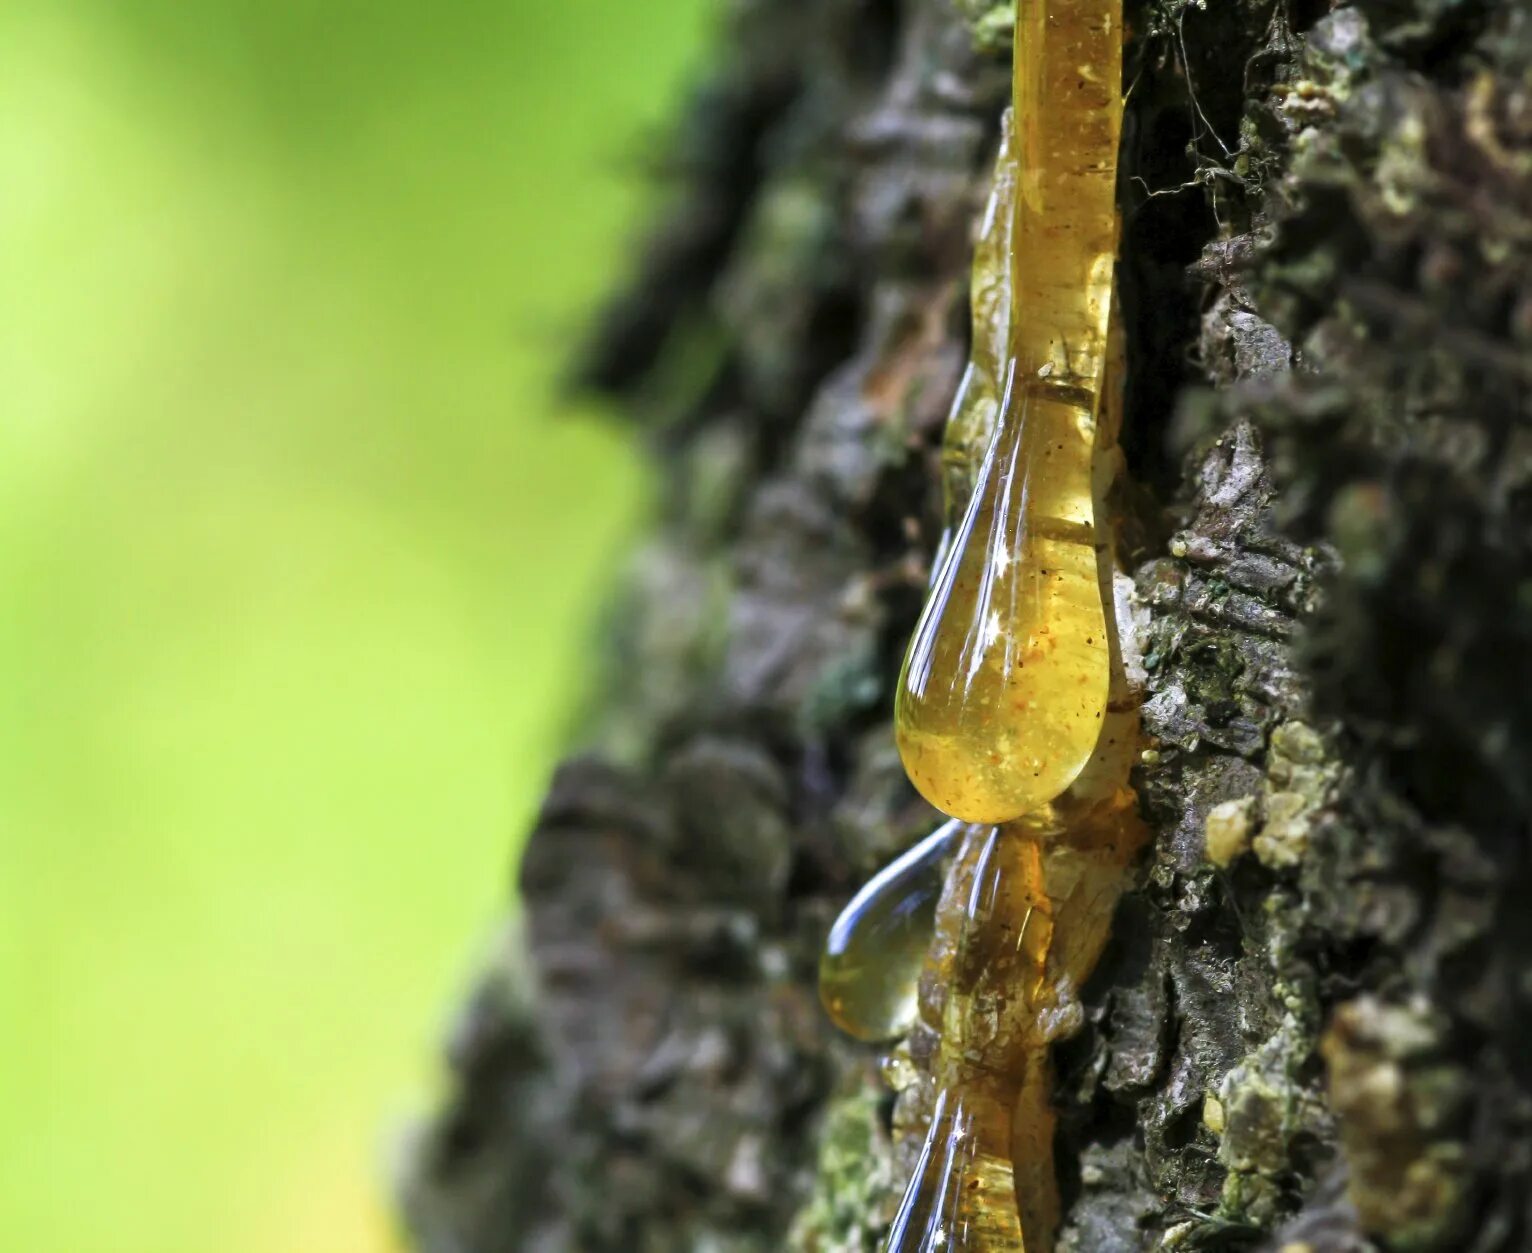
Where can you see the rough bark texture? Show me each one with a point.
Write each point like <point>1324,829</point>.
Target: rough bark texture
<point>1312,1029</point>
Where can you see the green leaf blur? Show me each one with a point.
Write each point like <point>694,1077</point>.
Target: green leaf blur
<point>298,568</point>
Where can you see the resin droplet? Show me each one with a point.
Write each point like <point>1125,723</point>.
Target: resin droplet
<point>872,959</point>
<point>1005,682</point>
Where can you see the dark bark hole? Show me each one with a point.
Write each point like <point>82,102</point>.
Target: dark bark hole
<point>1112,1124</point>
<point>1182,1128</point>
<point>1167,225</point>
<point>877,29</point>
<point>829,340</point>
<point>1302,14</point>
<point>1213,46</point>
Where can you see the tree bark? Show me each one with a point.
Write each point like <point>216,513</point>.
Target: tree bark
<point>1313,1027</point>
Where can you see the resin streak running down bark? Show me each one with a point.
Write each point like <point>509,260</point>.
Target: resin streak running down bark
<point>1014,706</point>
<point>1026,913</point>
<point>999,703</point>
<point>1024,916</point>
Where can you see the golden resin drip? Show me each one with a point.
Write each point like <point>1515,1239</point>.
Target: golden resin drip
<point>1024,915</point>
<point>1023,918</point>
<point>976,407</point>
<point>872,960</point>
<point>1000,700</point>
<point>1026,912</point>
<point>1014,707</point>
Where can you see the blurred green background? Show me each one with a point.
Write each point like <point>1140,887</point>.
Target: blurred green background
<point>298,567</point>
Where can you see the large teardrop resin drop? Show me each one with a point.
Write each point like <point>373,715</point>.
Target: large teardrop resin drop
<point>1005,683</point>
<point>873,956</point>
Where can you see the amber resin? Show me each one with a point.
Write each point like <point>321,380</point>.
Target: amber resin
<point>999,701</point>
<point>976,407</point>
<point>872,959</point>
<point>1024,915</point>
<point>1014,714</point>
<point>1026,912</point>
<point>1014,707</point>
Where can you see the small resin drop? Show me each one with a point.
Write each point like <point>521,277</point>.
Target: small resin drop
<point>872,959</point>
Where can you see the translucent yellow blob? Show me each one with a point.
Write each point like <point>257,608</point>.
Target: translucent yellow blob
<point>1003,689</point>
<point>872,959</point>
<point>1005,682</point>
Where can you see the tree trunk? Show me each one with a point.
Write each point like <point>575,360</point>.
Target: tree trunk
<point>1312,1028</point>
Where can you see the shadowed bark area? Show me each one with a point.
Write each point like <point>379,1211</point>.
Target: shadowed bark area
<point>1310,1031</point>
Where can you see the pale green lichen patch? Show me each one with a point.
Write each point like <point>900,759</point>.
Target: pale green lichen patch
<point>1284,837</point>
<point>855,1187</point>
<point>992,24</point>
<point>1300,780</point>
<point>1268,1099</point>
<point>1264,1105</point>
<point>1400,1107</point>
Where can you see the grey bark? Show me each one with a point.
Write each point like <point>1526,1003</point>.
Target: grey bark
<point>1312,1028</point>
